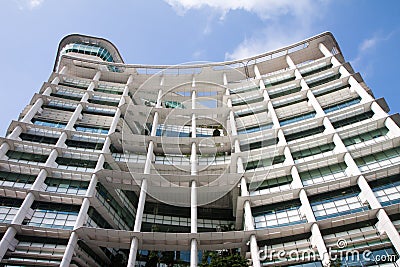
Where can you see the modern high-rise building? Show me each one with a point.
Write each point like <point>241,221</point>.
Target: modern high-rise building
<point>286,157</point>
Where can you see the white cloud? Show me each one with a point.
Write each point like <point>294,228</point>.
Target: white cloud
<point>265,9</point>
<point>197,55</point>
<point>268,39</point>
<point>368,43</point>
<point>361,61</point>
<point>283,21</point>
<point>35,3</point>
<point>30,4</point>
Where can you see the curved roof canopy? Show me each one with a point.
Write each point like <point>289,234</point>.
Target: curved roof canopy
<point>88,45</point>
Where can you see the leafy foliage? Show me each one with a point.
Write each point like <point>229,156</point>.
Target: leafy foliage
<point>223,259</point>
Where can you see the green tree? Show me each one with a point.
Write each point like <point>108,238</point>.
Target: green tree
<point>224,259</point>
<point>153,259</point>
<point>336,263</point>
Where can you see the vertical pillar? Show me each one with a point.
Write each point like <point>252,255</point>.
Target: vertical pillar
<point>33,110</point>
<point>63,70</point>
<point>257,72</point>
<point>193,253</point>
<point>140,209</point>
<point>7,241</point>
<point>138,224</point>
<point>193,225</point>
<point>80,221</point>
<point>15,133</point>
<point>193,187</point>
<point>75,116</point>
<point>69,250</point>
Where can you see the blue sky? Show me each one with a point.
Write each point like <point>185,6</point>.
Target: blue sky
<point>178,31</point>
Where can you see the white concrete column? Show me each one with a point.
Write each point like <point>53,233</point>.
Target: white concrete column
<point>154,125</point>
<point>115,121</point>
<point>379,112</point>
<point>90,192</point>
<point>328,53</point>
<point>133,252</point>
<point>313,101</point>
<point>265,95</point>
<point>69,250</point>
<point>193,186</point>
<point>63,70</point>
<point>328,126</point>
<point>261,84</point>
<point>193,160</point>
<point>288,156</point>
<point>393,128</point>
<point>224,79</point>
<point>193,99</point>
<point>243,187</point>
<point>193,207</point>
<point>343,72</point>
<point>306,207</point>
<point>106,146</point>
<point>296,183</point>
<point>318,242</point>
<point>149,158</point>
<point>140,208</point>
<point>51,160</point>
<point>248,217</point>
<point>91,87</point>
<point>15,133</point>
<point>281,138</point>
<point>304,85</point>
<point>193,253</point>
<point>24,209</point>
<point>138,223</point>
<point>367,195</point>
<point>385,225</point>
<point>7,241</point>
<point>85,97</point>
<point>339,146</point>
<point>159,99</point>
<point>130,80</point>
<point>38,184</point>
<point>257,72</point>
<point>75,116</point>
<point>61,140</point>
<point>254,250</point>
<point>82,215</point>
<point>293,66</point>
<point>316,236</point>
<point>232,123</point>
<point>48,91</point>
<point>290,62</point>
<point>352,168</point>
<point>56,80</point>
<point>97,76</point>
<point>356,87</point>
<point>4,149</point>
<point>32,111</point>
<point>272,113</point>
